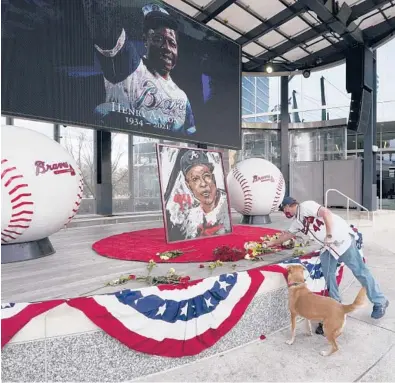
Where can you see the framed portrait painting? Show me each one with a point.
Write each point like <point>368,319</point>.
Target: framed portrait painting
<point>195,201</point>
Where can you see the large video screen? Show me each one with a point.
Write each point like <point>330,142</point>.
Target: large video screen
<point>129,65</point>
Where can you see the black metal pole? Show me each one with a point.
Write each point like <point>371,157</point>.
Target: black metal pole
<point>284,126</point>
<point>103,172</point>
<point>323,100</point>
<point>56,132</point>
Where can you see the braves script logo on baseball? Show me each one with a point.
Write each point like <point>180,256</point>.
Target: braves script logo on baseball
<point>56,168</point>
<point>267,178</point>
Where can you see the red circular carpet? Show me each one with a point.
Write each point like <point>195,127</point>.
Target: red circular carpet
<point>143,245</point>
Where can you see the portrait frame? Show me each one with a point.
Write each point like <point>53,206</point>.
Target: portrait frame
<point>177,196</point>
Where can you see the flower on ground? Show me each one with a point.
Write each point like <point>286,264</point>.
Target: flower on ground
<point>150,265</point>
<point>172,271</point>
<point>212,265</point>
<point>185,279</point>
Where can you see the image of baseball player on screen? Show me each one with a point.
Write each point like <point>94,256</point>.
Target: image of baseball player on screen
<point>195,205</point>
<point>140,90</point>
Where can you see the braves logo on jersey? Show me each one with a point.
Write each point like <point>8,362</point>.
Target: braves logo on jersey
<point>307,221</point>
<point>150,98</point>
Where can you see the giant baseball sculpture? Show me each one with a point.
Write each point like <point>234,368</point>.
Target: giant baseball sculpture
<point>41,186</point>
<point>256,187</point>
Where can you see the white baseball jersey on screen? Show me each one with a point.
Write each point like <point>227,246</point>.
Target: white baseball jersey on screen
<point>308,222</point>
<point>158,100</point>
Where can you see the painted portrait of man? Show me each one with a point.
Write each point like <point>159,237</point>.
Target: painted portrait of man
<point>195,201</point>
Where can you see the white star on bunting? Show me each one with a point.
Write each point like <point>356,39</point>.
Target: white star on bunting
<point>208,302</point>
<point>223,285</point>
<point>161,310</point>
<point>184,310</point>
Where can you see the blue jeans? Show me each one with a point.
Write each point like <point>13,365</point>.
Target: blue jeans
<point>353,260</point>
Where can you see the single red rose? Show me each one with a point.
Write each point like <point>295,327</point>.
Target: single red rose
<point>262,337</point>
<point>132,277</point>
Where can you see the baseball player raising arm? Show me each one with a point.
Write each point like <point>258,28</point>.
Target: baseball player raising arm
<point>338,246</point>
<point>140,88</point>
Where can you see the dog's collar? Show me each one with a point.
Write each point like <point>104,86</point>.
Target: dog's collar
<point>295,284</point>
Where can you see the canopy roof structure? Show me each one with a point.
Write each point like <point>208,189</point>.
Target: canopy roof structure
<point>294,35</point>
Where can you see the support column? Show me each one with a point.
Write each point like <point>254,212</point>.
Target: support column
<point>284,132</point>
<point>56,132</point>
<point>103,172</point>
<point>9,121</point>
<point>374,129</point>
<point>369,187</point>
<point>131,172</point>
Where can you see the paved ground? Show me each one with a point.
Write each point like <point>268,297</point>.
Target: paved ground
<point>367,347</point>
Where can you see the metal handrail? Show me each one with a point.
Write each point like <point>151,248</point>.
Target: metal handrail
<point>348,202</point>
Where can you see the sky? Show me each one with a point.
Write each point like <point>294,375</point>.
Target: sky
<point>309,94</point>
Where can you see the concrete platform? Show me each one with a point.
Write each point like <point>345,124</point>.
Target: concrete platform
<point>63,345</point>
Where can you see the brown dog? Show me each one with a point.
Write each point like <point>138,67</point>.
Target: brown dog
<point>310,306</point>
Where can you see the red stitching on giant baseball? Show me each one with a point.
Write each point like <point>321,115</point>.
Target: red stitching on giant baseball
<point>12,179</point>
<point>77,202</point>
<point>22,204</point>
<point>21,220</point>
<point>10,175</point>
<point>20,196</point>
<point>247,193</point>
<point>3,173</point>
<point>277,196</point>
<point>22,212</point>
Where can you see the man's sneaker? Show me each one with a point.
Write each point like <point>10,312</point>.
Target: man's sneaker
<point>379,310</point>
<point>320,329</point>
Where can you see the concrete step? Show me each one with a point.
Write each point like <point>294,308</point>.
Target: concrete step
<point>96,220</point>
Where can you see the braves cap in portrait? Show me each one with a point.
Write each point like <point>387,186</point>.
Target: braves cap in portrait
<point>192,158</point>
<point>156,17</point>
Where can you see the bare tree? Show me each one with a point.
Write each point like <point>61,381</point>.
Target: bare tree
<point>81,148</point>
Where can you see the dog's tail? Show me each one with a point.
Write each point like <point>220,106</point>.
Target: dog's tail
<point>358,302</point>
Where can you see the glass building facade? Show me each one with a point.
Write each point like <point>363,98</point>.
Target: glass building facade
<point>255,98</point>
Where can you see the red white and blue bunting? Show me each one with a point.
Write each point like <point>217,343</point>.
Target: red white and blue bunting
<point>169,320</point>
